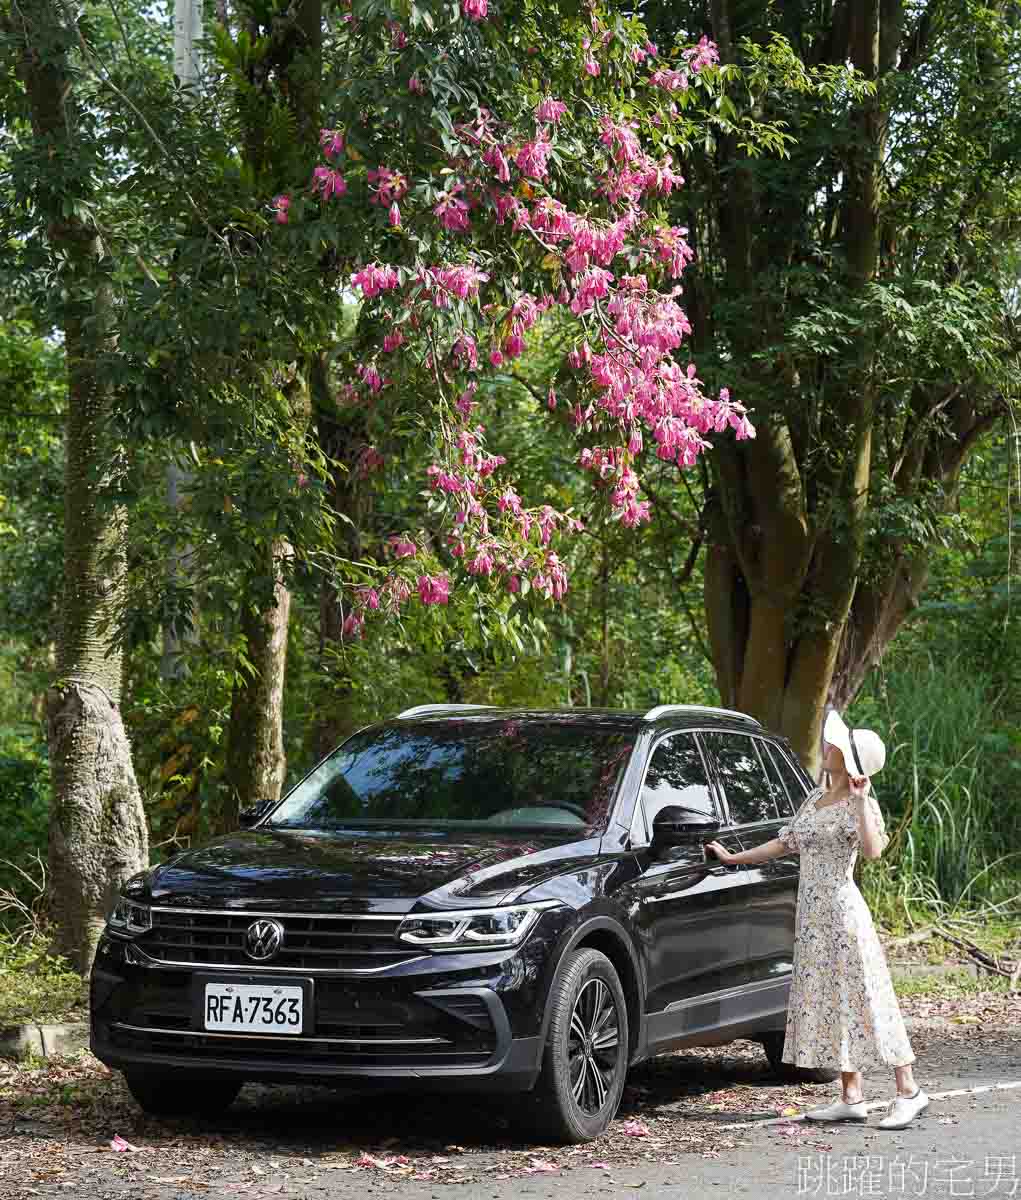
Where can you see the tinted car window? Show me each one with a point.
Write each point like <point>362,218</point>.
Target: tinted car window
<point>748,791</point>
<point>492,773</point>
<point>795,785</point>
<point>677,776</point>
<point>783,802</point>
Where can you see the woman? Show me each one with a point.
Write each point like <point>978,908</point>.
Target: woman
<point>843,1012</point>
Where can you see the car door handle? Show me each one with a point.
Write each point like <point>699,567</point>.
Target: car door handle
<point>725,869</point>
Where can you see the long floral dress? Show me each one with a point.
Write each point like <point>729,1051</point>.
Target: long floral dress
<point>843,1012</point>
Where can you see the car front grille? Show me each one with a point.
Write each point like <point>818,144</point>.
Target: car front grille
<point>310,943</point>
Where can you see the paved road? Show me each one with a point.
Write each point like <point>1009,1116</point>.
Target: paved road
<point>710,1130</point>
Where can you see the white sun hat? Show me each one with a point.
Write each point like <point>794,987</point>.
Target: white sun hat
<point>863,750</point>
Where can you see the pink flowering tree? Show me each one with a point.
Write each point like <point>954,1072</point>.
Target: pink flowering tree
<point>482,184</point>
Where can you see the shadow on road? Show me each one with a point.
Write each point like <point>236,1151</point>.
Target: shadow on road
<point>700,1086</point>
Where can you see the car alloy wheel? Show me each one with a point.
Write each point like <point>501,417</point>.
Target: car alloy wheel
<point>593,1046</point>
<point>585,1058</point>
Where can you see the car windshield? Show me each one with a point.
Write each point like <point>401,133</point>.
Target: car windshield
<point>488,774</point>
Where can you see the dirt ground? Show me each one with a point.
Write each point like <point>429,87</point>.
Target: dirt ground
<point>61,1121</point>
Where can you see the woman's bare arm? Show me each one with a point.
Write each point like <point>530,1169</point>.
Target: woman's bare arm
<point>758,854</point>
<point>872,836</point>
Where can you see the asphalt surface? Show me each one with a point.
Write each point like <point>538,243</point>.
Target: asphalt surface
<point>710,1128</point>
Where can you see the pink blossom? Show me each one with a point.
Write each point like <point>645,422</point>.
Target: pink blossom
<point>352,626</point>
<point>434,589</point>
<point>394,215</point>
<point>495,358</point>
<point>385,185</point>
<point>482,563</point>
<point>398,38</point>
<point>514,343</point>
<point>416,86</point>
<point>551,399</point>
<point>621,140</point>
<point>392,341</point>
<point>669,80</point>
<point>403,548</point>
<point>368,597</point>
<point>495,158</point>
<point>635,512</point>
<point>670,246</point>
<point>282,204</point>
<point>550,110</point>
<point>452,211</point>
<point>395,591</point>
<point>370,377</point>
<point>332,142</point>
<point>465,404</point>
<point>513,584</point>
<point>702,55</point>
<point>374,279</point>
<point>592,67</point>
<point>466,352</point>
<point>475,9</point>
<point>589,287</point>
<point>531,158</point>
<point>328,182</point>
<point>509,501</point>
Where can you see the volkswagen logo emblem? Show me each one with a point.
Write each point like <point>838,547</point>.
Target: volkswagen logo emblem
<point>263,939</point>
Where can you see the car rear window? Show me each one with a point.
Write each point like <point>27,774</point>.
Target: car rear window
<point>491,774</point>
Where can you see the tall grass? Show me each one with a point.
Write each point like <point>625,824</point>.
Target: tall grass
<point>950,789</point>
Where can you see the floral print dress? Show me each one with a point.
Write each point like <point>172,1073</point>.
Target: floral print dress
<point>843,1012</point>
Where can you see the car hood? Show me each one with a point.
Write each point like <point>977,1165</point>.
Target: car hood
<point>385,871</point>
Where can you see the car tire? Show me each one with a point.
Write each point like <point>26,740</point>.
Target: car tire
<point>179,1095</point>
<point>772,1043</point>
<point>585,1058</point>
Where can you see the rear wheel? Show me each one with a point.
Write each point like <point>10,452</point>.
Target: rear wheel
<point>586,1054</point>
<point>773,1045</point>
<point>178,1095</point>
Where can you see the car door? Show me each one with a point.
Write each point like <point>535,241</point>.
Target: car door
<point>688,922</point>
<point>758,805</point>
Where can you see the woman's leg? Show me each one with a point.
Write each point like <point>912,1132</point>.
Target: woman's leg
<point>850,1082</point>
<point>906,1085</point>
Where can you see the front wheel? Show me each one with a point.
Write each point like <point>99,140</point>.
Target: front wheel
<point>178,1095</point>
<point>772,1043</point>
<point>586,1054</point>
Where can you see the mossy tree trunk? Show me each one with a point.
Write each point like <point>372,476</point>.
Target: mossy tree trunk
<point>98,834</point>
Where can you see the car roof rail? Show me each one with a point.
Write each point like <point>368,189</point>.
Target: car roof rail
<point>664,710</point>
<point>422,710</point>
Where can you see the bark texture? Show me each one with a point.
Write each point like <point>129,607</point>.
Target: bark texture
<point>98,834</point>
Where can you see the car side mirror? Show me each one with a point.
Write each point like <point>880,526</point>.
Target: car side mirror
<point>250,816</point>
<point>676,826</point>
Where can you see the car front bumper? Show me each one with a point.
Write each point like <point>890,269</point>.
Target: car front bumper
<point>457,1021</point>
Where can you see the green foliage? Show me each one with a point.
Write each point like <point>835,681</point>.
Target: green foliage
<point>35,986</point>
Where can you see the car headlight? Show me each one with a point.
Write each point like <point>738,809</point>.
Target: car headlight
<point>130,919</point>
<point>479,929</point>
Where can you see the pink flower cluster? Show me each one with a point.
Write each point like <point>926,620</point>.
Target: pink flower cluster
<point>374,279</point>
<point>628,382</point>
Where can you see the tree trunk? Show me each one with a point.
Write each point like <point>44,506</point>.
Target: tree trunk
<point>98,834</point>
<point>256,763</point>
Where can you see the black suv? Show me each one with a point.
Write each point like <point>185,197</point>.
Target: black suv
<point>475,897</point>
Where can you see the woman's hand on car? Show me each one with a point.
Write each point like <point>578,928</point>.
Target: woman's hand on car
<point>721,852</point>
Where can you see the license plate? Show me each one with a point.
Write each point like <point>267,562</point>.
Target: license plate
<point>253,1008</point>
